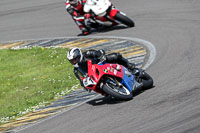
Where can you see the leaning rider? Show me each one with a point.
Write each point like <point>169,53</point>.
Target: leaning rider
<point>75,9</point>
<point>79,60</point>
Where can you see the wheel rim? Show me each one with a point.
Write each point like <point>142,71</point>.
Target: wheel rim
<point>119,89</point>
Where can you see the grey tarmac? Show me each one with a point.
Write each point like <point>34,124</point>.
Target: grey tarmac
<point>173,26</point>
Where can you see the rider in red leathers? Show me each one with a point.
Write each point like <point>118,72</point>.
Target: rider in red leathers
<point>75,9</point>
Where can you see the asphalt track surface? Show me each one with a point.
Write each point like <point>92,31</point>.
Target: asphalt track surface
<point>173,26</point>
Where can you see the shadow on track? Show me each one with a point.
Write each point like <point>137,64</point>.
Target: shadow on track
<point>105,29</point>
<point>104,100</point>
<point>112,100</point>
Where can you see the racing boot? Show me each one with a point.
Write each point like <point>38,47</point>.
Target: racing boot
<point>85,31</point>
<point>138,86</point>
<point>136,72</point>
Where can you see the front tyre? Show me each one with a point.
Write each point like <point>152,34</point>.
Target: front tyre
<point>119,92</point>
<point>124,20</point>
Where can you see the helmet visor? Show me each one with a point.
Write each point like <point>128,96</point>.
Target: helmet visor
<point>75,60</point>
<point>73,2</point>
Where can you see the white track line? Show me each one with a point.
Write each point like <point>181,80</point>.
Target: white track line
<point>59,113</point>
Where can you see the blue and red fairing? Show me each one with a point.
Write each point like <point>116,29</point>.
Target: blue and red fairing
<point>97,71</point>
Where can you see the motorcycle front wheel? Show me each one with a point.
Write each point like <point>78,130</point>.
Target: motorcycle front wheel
<point>124,20</point>
<point>113,89</point>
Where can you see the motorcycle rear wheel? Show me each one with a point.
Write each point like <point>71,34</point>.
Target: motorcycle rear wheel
<point>124,20</point>
<point>146,80</point>
<point>119,92</point>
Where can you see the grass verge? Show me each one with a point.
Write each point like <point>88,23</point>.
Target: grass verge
<point>31,78</point>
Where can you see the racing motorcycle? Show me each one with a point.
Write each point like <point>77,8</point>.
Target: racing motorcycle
<point>101,13</point>
<point>115,80</point>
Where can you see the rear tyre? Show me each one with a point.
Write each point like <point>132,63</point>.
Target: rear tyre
<point>146,80</point>
<point>119,92</point>
<point>124,20</point>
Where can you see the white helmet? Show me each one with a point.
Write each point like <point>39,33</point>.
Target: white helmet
<point>75,56</point>
<point>73,2</point>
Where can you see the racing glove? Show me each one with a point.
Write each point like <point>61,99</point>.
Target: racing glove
<point>102,56</point>
<point>102,51</point>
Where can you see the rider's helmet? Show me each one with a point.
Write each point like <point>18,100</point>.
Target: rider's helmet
<point>75,56</point>
<point>73,2</point>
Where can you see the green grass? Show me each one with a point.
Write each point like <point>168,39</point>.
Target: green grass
<point>30,77</point>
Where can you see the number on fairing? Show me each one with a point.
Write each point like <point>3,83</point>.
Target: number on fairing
<point>88,81</point>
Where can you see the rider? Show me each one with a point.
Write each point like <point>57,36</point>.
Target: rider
<point>75,9</point>
<point>79,60</point>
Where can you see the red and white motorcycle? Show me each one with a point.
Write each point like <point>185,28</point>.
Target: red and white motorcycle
<point>103,13</point>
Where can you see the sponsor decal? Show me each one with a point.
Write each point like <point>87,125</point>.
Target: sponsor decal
<point>93,68</point>
<point>105,70</point>
<point>127,73</point>
<point>112,70</point>
<point>115,72</point>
